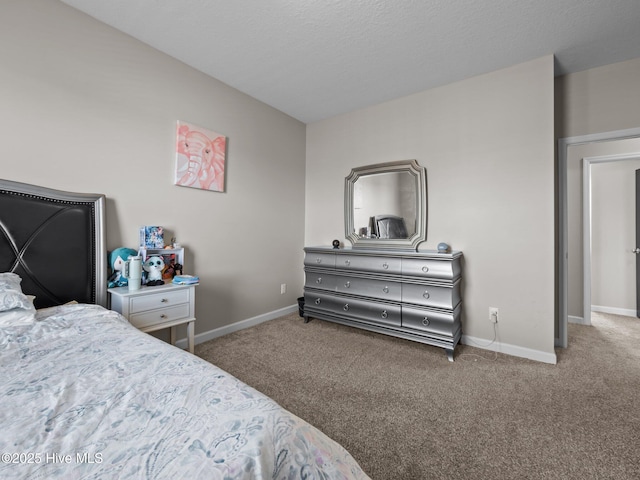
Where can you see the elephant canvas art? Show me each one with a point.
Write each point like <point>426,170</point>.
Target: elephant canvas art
<point>200,157</point>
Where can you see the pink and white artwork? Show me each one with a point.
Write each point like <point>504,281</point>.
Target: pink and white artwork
<point>200,157</point>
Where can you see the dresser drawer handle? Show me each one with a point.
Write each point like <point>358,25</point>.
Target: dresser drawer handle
<point>426,294</point>
<point>318,260</point>
<point>425,322</point>
<point>347,284</point>
<point>385,265</point>
<point>317,302</point>
<point>346,307</point>
<point>425,269</point>
<point>163,316</point>
<point>164,300</point>
<point>384,314</point>
<point>319,280</point>
<point>385,289</point>
<point>347,262</point>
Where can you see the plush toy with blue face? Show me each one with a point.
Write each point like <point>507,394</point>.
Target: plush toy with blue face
<point>116,264</point>
<point>154,266</point>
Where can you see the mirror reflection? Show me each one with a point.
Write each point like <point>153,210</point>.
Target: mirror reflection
<point>385,205</point>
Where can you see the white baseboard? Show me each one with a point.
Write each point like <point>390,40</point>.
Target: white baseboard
<point>509,349</point>
<point>578,320</point>
<point>234,327</point>
<point>614,310</point>
<point>465,339</point>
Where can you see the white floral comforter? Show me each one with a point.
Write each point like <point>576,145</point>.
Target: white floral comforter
<point>83,395</point>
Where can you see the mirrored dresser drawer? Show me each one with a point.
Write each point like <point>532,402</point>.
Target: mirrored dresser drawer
<point>412,295</point>
<point>432,295</point>
<point>355,308</point>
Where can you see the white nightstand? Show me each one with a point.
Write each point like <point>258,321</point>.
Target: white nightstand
<point>154,308</point>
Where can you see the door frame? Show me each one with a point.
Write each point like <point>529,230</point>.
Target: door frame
<point>587,162</point>
<point>563,228</point>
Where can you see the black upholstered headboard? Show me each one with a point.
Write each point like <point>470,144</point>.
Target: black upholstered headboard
<point>55,241</point>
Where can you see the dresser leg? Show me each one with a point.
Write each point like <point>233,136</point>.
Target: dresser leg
<point>307,319</point>
<point>172,335</point>
<point>449,353</point>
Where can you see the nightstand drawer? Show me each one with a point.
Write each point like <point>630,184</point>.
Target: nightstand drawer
<point>159,300</point>
<point>155,317</point>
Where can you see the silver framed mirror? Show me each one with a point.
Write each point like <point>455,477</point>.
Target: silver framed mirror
<point>385,206</point>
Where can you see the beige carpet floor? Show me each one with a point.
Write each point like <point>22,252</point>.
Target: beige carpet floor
<point>405,412</point>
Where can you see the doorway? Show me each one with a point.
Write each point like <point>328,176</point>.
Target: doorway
<point>594,249</point>
<point>563,229</point>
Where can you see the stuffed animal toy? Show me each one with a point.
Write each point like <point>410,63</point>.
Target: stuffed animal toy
<point>154,266</point>
<point>116,264</point>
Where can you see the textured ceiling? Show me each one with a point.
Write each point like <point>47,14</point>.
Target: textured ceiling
<point>314,59</point>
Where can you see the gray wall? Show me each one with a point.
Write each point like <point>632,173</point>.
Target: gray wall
<point>87,108</point>
<point>487,145</point>
<point>599,100</point>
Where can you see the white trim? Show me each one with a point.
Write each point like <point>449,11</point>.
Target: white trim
<point>578,320</point>
<point>241,325</point>
<point>563,254</point>
<point>465,339</point>
<point>586,241</point>
<point>514,350</point>
<point>627,312</point>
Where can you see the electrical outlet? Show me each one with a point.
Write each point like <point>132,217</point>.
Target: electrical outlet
<point>283,289</point>
<point>493,314</point>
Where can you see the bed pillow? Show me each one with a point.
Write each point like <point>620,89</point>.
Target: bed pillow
<point>17,316</point>
<point>11,296</point>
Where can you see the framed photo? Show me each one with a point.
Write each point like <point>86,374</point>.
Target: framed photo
<point>200,157</point>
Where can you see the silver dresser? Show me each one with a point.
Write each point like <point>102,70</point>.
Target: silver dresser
<point>411,295</point>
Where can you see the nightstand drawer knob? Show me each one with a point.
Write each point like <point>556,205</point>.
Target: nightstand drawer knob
<point>164,300</point>
<point>319,280</point>
<point>163,316</point>
<point>346,307</point>
<point>425,322</point>
<point>425,269</point>
<point>384,314</point>
<point>426,294</point>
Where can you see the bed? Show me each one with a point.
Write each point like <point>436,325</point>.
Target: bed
<point>86,395</point>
